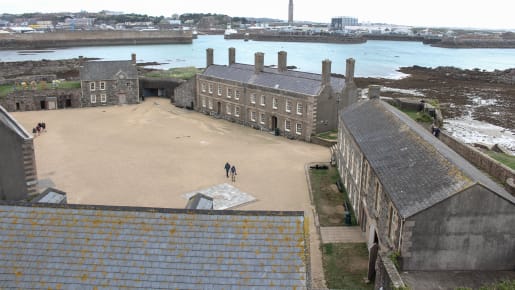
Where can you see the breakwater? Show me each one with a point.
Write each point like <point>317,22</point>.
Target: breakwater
<point>92,38</point>
<point>341,39</point>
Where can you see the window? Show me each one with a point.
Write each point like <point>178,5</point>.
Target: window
<point>287,125</point>
<point>237,95</point>
<point>93,99</point>
<point>103,98</point>
<point>203,102</point>
<point>92,86</point>
<point>102,85</point>
<point>210,88</point>
<point>274,103</point>
<point>219,90</point>
<point>288,106</point>
<point>262,118</point>
<point>129,86</point>
<point>390,222</point>
<point>378,190</point>
<point>236,111</point>
<point>298,128</point>
<point>253,116</point>
<point>228,109</point>
<point>203,87</point>
<point>210,104</point>
<point>229,93</point>
<point>263,99</point>
<point>252,98</point>
<point>299,108</point>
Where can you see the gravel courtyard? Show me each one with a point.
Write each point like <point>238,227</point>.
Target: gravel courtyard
<point>152,153</point>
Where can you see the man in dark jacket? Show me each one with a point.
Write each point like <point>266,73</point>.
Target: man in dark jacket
<point>227,167</point>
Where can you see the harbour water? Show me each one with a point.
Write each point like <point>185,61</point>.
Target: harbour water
<point>373,58</point>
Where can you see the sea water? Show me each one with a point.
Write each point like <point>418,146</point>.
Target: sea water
<point>373,58</point>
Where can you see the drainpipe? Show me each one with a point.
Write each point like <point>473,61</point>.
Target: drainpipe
<point>400,235</point>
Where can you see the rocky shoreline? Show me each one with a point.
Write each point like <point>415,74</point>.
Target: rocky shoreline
<point>481,95</point>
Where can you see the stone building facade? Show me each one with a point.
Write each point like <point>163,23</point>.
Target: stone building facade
<point>18,175</point>
<point>290,103</point>
<point>109,83</point>
<point>184,95</point>
<point>50,99</point>
<point>415,196</point>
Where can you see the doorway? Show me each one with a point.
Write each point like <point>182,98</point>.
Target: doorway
<point>42,105</point>
<point>219,108</point>
<point>122,99</point>
<point>274,122</point>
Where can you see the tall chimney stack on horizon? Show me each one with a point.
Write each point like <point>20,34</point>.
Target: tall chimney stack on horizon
<point>326,72</point>
<point>232,55</point>
<point>282,65</point>
<point>290,13</point>
<point>133,58</point>
<point>209,57</point>
<point>259,62</point>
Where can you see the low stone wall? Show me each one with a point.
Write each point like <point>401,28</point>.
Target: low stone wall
<point>322,142</point>
<point>484,162</point>
<point>387,276</point>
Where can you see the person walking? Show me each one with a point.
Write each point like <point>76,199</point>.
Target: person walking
<point>227,168</point>
<point>233,173</point>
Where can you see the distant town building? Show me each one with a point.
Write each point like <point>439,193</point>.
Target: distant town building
<point>85,247</point>
<point>293,104</point>
<point>414,196</point>
<point>76,24</point>
<point>290,12</point>
<point>109,83</point>
<point>18,175</point>
<point>339,23</point>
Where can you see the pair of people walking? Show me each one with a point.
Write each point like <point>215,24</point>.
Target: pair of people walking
<point>230,169</point>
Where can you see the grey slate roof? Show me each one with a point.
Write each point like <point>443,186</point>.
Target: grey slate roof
<point>107,70</point>
<point>12,124</point>
<point>82,247</point>
<point>291,81</point>
<point>415,168</point>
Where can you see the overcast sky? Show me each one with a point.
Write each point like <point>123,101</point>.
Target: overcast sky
<point>495,14</point>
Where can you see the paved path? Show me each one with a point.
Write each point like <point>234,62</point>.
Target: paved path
<point>341,235</point>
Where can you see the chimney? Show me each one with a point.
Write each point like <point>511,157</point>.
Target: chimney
<point>81,60</point>
<point>374,91</point>
<point>326,72</point>
<point>281,61</point>
<point>209,57</point>
<point>349,75</point>
<point>259,62</point>
<point>232,55</point>
<point>133,58</point>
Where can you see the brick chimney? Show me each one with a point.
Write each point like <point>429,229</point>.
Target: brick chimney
<point>349,74</point>
<point>209,57</point>
<point>259,62</point>
<point>232,55</point>
<point>374,91</point>
<point>133,58</point>
<point>281,61</point>
<point>326,72</point>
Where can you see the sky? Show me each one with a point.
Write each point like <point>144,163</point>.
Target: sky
<point>491,14</point>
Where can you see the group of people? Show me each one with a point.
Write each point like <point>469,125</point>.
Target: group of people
<point>41,127</point>
<point>230,169</point>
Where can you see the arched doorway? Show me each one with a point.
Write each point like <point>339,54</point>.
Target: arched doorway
<point>274,122</point>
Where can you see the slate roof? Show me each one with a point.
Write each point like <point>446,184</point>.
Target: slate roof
<point>12,124</point>
<point>291,81</point>
<point>107,70</point>
<point>415,168</point>
<point>83,247</point>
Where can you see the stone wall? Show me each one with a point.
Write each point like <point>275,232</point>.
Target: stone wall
<point>323,142</point>
<point>387,276</point>
<point>184,94</point>
<point>484,162</point>
<point>158,87</point>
